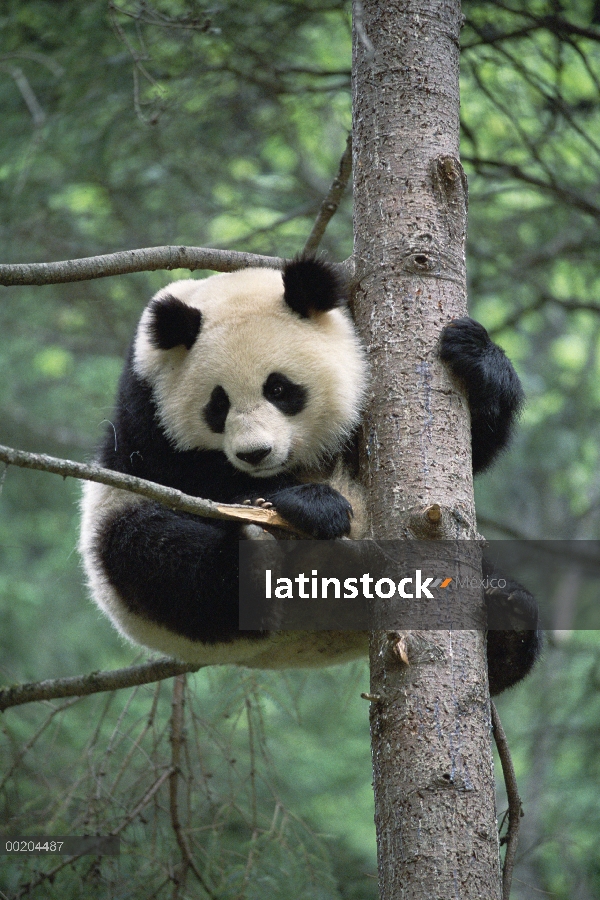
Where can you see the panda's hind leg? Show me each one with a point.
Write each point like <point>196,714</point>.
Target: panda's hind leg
<point>173,569</point>
<point>514,640</point>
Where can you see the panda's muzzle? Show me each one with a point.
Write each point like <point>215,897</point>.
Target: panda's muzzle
<point>254,457</point>
<point>258,440</point>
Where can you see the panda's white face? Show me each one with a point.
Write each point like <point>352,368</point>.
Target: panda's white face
<point>271,389</point>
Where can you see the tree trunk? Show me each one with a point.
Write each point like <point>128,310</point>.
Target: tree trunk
<point>430,719</point>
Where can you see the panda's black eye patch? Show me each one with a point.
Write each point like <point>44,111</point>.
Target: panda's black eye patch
<point>286,395</point>
<point>215,411</point>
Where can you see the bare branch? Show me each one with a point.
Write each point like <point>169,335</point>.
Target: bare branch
<point>170,497</point>
<point>177,740</point>
<point>147,259</point>
<point>41,58</point>
<point>304,210</point>
<point>93,683</point>
<point>562,193</point>
<point>554,23</point>
<point>150,16</point>
<point>69,860</point>
<point>515,807</point>
<point>332,200</point>
<point>541,301</point>
<point>574,305</point>
<point>313,70</point>
<point>492,36</point>
<point>31,101</point>
<point>26,747</point>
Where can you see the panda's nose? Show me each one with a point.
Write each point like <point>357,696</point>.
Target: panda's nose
<point>254,456</point>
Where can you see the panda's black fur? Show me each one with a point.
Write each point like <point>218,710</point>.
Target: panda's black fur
<point>247,386</point>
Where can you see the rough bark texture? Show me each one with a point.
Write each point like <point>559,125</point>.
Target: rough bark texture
<point>433,769</point>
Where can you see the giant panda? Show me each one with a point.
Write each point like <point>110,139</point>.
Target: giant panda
<point>247,386</point>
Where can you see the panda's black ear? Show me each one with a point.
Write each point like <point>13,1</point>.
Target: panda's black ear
<point>173,323</point>
<point>311,286</point>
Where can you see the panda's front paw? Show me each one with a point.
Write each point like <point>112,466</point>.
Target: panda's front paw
<point>463,343</point>
<point>512,607</point>
<point>317,510</point>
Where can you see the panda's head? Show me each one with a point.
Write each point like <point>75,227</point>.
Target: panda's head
<point>261,364</point>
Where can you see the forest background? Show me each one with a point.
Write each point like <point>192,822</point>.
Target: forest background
<point>137,124</point>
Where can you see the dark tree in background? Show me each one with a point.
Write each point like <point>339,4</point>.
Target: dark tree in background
<point>138,124</point>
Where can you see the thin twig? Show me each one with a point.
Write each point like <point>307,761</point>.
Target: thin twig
<point>332,200</point>
<point>36,111</point>
<point>177,742</point>
<point>515,807</point>
<point>170,497</point>
<point>42,58</point>
<point>147,259</point>
<point>69,860</point>
<point>538,303</point>
<point>93,683</point>
<point>25,748</point>
<point>137,742</point>
<point>566,194</point>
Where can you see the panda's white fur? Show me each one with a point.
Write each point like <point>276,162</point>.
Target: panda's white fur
<point>249,329</point>
<point>247,332</point>
<point>286,649</point>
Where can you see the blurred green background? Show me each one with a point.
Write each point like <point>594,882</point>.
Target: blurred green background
<point>222,125</point>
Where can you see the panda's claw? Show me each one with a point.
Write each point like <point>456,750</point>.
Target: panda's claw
<point>514,609</point>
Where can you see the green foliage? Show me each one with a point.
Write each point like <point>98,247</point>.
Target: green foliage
<point>182,123</point>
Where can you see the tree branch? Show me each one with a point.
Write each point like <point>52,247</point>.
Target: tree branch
<point>568,305</point>
<point>147,259</point>
<point>515,807</point>
<point>174,499</point>
<point>177,740</point>
<point>554,23</point>
<point>69,860</point>
<point>93,683</point>
<point>332,200</point>
<point>571,197</point>
<point>491,36</point>
<point>170,497</point>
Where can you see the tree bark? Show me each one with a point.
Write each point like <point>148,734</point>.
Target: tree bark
<point>430,719</point>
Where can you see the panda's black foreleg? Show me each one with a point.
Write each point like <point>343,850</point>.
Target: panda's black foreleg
<point>493,388</point>
<point>514,640</point>
<point>174,569</point>
<point>495,399</point>
<point>317,510</point>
